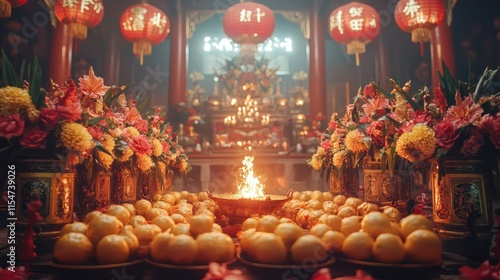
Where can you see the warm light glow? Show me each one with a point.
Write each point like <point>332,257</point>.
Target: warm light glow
<point>227,45</point>
<point>250,186</point>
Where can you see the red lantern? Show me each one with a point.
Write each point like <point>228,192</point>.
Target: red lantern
<point>144,25</point>
<point>7,5</point>
<point>79,14</point>
<point>248,23</point>
<point>354,25</point>
<point>419,17</point>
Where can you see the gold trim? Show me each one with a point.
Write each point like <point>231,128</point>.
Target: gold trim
<point>195,17</point>
<point>455,179</point>
<point>298,17</point>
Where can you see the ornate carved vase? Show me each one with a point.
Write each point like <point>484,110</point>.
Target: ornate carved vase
<point>462,205</point>
<point>94,189</point>
<point>44,179</point>
<point>124,184</point>
<point>346,183</point>
<point>383,189</point>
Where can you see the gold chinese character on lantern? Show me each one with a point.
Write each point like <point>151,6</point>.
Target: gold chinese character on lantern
<point>136,21</point>
<point>355,11</point>
<point>98,7</point>
<point>373,23</point>
<point>259,14</point>
<point>84,5</point>
<point>356,24</point>
<point>412,8</point>
<point>336,22</point>
<point>69,3</point>
<point>159,22</point>
<point>245,15</point>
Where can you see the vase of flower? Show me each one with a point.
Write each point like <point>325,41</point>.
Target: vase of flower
<point>45,179</point>
<point>124,186</point>
<point>462,204</point>
<point>346,183</point>
<point>94,189</point>
<point>383,188</point>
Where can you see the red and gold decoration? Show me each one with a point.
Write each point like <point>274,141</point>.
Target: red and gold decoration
<point>419,17</point>
<point>248,23</point>
<point>144,25</point>
<point>354,25</point>
<point>7,5</point>
<point>80,15</point>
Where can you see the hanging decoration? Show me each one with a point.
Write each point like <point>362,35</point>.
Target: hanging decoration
<point>354,25</point>
<point>144,25</point>
<point>248,24</point>
<point>7,5</point>
<point>79,15</point>
<point>419,17</point>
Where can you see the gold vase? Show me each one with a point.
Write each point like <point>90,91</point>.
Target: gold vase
<point>462,191</point>
<point>94,190</point>
<point>384,189</point>
<point>46,180</point>
<point>124,186</point>
<point>346,183</point>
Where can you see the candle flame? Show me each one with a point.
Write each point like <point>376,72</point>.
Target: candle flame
<point>250,186</point>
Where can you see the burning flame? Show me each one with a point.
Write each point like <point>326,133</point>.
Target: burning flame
<point>250,186</point>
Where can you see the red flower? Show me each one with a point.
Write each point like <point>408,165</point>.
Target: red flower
<point>141,145</point>
<point>49,117</point>
<point>72,112</point>
<point>166,147</point>
<point>483,272</point>
<point>34,138</point>
<point>446,134</point>
<point>376,132</point>
<point>96,132</point>
<point>221,272</point>
<point>369,91</point>
<point>475,141</point>
<point>70,94</point>
<point>495,136</point>
<point>11,126</point>
<point>17,273</point>
<point>141,125</point>
<point>466,112</point>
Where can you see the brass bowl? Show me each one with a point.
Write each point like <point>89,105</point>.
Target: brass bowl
<point>238,209</point>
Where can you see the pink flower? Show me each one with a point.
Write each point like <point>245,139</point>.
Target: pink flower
<point>421,117</point>
<point>326,145</point>
<point>376,107</point>
<point>365,119</point>
<point>96,132</point>
<point>475,141</point>
<point>488,122</point>
<point>141,145</point>
<point>34,138</point>
<point>446,134</point>
<point>221,272</point>
<point>49,117</point>
<point>92,85</point>
<point>484,272</point>
<point>466,112</point>
<point>495,137</point>
<point>71,113</point>
<point>369,91</point>
<point>11,126</point>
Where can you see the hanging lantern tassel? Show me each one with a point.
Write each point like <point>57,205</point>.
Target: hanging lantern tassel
<point>5,9</point>
<point>421,35</point>
<point>142,48</point>
<point>78,30</point>
<point>356,47</point>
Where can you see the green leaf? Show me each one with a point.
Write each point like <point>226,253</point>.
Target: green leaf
<point>8,72</point>
<point>21,74</point>
<point>484,83</point>
<point>412,102</point>
<point>93,121</point>
<point>447,83</point>
<point>386,94</point>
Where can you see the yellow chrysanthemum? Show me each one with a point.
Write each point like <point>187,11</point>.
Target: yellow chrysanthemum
<point>316,162</point>
<point>75,136</point>
<point>183,166</point>
<point>339,158</point>
<point>354,141</point>
<point>132,131</point>
<point>17,100</point>
<point>417,144</point>
<point>320,151</point>
<point>144,162</point>
<point>109,142</point>
<point>127,153</point>
<point>106,159</point>
<point>157,147</point>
